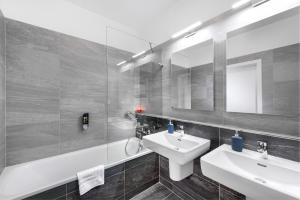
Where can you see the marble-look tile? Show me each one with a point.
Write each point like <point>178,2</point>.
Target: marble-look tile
<point>141,174</point>
<point>149,158</point>
<point>280,147</point>
<point>53,194</point>
<point>155,192</point>
<point>207,132</point>
<point>83,88</point>
<point>32,93</point>
<point>112,189</point>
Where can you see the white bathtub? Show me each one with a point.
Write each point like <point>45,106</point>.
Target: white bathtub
<point>27,179</point>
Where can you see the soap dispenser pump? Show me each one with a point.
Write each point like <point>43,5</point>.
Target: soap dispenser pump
<point>170,127</point>
<point>237,142</point>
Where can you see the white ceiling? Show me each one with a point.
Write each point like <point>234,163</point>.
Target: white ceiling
<point>156,20</point>
<point>133,13</point>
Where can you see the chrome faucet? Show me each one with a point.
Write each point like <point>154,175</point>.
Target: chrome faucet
<point>262,148</point>
<point>180,130</point>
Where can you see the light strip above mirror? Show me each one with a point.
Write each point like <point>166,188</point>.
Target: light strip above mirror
<point>139,54</point>
<point>240,3</point>
<point>187,29</point>
<point>121,63</point>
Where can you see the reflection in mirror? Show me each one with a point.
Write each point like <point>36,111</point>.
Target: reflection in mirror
<point>150,87</point>
<point>262,73</point>
<point>193,77</point>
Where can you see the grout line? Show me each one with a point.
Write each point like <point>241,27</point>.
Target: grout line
<point>219,192</point>
<point>170,191</point>
<point>178,189</point>
<point>167,196</point>
<point>202,178</point>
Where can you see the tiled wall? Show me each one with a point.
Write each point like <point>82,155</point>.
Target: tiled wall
<point>121,182</point>
<point>2,92</point>
<point>279,124</point>
<point>52,79</point>
<point>197,186</point>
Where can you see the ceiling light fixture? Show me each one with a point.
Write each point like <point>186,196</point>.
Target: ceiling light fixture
<point>121,63</point>
<point>187,29</point>
<point>240,3</point>
<point>190,34</point>
<point>139,54</point>
<point>258,3</point>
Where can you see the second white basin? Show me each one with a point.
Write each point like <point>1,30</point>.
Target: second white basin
<point>181,151</point>
<point>248,173</point>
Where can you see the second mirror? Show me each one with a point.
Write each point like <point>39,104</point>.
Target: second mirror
<point>193,77</point>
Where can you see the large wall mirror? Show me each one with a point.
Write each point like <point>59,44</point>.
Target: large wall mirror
<point>262,72</point>
<point>193,77</point>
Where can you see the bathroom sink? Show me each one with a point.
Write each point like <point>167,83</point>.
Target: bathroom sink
<point>248,173</point>
<point>181,150</point>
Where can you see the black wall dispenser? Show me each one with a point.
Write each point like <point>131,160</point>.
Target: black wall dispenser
<point>85,121</point>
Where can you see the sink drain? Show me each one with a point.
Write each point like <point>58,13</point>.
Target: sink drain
<point>260,180</point>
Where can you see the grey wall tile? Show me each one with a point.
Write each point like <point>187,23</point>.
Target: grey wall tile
<point>2,92</point>
<point>32,93</point>
<point>52,79</point>
<point>83,89</point>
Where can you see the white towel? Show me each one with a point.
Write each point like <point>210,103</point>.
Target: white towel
<point>90,178</point>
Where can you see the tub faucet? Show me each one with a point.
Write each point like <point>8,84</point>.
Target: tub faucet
<point>262,148</point>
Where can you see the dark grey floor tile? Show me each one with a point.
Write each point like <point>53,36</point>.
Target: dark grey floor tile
<point>155,192</point>
<point>228,193</point>
<point>62,198</point>
<point>175,190</point>
<point>139,189</point>
<point>172,196</point>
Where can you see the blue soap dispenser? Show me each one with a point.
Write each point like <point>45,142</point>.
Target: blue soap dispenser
<point>170,127</point>
<point>237,142</point>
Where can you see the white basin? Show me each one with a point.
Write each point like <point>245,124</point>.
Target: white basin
<point>248,173</point>
<point>181,151</point>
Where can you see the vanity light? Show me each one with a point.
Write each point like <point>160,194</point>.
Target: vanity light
<point>121,63</point>
<point>240,3</point>
<point>187,29</point>
<point>136,55</point>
